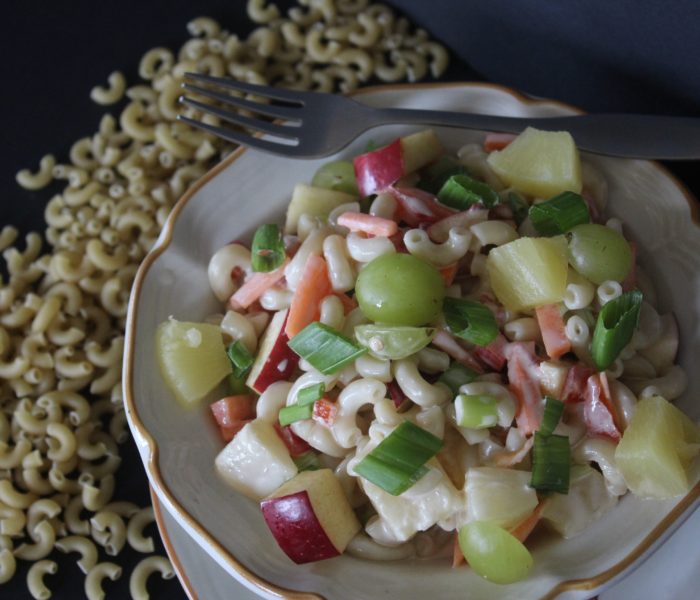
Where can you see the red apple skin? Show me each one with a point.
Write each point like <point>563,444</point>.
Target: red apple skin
<point>279,355</point>
<point>294,443</point>
<point>377,170</point>
<point>296,528</point>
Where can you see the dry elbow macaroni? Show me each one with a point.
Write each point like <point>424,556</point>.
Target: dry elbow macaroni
<point>61,313</point>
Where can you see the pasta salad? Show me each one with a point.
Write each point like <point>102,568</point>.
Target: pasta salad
<point>438,349</point>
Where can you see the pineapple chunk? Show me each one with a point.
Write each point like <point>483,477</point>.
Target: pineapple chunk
<point>501,496</point>
<point>539,163</point>
<point>656,449</point>
<point>315,201</point>
<point>528,272</point>
<point>192,358</point>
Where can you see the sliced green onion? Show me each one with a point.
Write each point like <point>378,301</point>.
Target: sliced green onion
<point>461,192</point>
<point>324,348</point>
<point>307,461</point>
<point>518,205</point>
<point>291,414</point>
<point>551,463</point>
<point>310,394</point>
<point>399,459</point>
<point>434,176</point>
<point>614,328</point>
<point>237,385</point>
<point>476,411</point>
<point>267,251</point>
<point>241,359</point>
<point>559,214</point>
<point>393,342</point>
<point>553,410</point>
<point>371,146</point>
<point>456,376</point>
<point>470,320</point>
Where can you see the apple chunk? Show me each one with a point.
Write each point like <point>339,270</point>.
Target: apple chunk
<point>275,361</point>
<point>256,462</point>
<point>310,517</point>
<point>377,170</point>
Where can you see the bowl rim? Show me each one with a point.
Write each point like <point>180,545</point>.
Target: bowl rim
<point>151,465</point>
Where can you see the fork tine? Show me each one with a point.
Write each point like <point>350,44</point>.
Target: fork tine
<point>232,117</point>
<point>279,112</point>
<point>251,88</point>
<point>244,140</point>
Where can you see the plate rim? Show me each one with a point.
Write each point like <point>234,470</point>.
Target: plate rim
<point>151,460</point>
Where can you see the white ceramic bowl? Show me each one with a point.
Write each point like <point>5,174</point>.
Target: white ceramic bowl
<point>178,447</point>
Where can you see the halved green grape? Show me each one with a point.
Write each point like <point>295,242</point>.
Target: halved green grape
<point>400,289</point>
<point>476,411</point>
<point>494,553</point>
<point>393,342</point>
<point>337,175</point>
<point>599,253</point>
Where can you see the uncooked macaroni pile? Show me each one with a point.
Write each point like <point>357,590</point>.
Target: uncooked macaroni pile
<point>62,312</point>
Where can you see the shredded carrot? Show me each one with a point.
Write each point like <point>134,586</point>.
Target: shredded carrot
<point>631,280</point>
<point>497,141</point>
<point>369,224</point>
<point>229,431</point>
<point>509,459</point>
<point>252,289</point>
<point>348,302</point>
<point>599,413</point>
<point>553,330</point>
<point>522,530</point>
<point>443,340</point>
<point>231,409</point>
<point>457,556</point>
<point>448,273</point>
<point>524,385</point>
<point>313,287</point>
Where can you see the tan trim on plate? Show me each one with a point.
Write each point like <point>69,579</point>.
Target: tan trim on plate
<point>154,470</point>
<point>170,549</point>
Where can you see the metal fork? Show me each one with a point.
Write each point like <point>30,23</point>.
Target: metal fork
<point>314,125</point>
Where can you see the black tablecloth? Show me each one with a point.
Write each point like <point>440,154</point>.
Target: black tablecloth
<point>625,55</point>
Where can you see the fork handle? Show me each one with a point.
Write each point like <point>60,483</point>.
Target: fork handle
<point>623,135</point>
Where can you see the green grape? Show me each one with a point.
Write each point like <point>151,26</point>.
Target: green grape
<point>338,175</point>
<point>599,253</point>
<point>476,412</point>
<point>393,342</point>
<point>494,553</point>
<point>400,289</point>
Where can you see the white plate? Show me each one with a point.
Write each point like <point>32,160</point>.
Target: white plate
<point>671,573</point>
<point>178,448</point>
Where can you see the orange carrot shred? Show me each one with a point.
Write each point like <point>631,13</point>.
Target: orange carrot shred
<point>448,274</point>
<point>553,330</point>
<point>313,287</point>
<point>369,224</point>
<point>252,289</point>
<point>522,530</point>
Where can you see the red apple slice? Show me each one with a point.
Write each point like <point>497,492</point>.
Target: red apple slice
<point>275,360</point>
<point>294,443</point>
<point>377,170</point>
<point>310,517</point>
